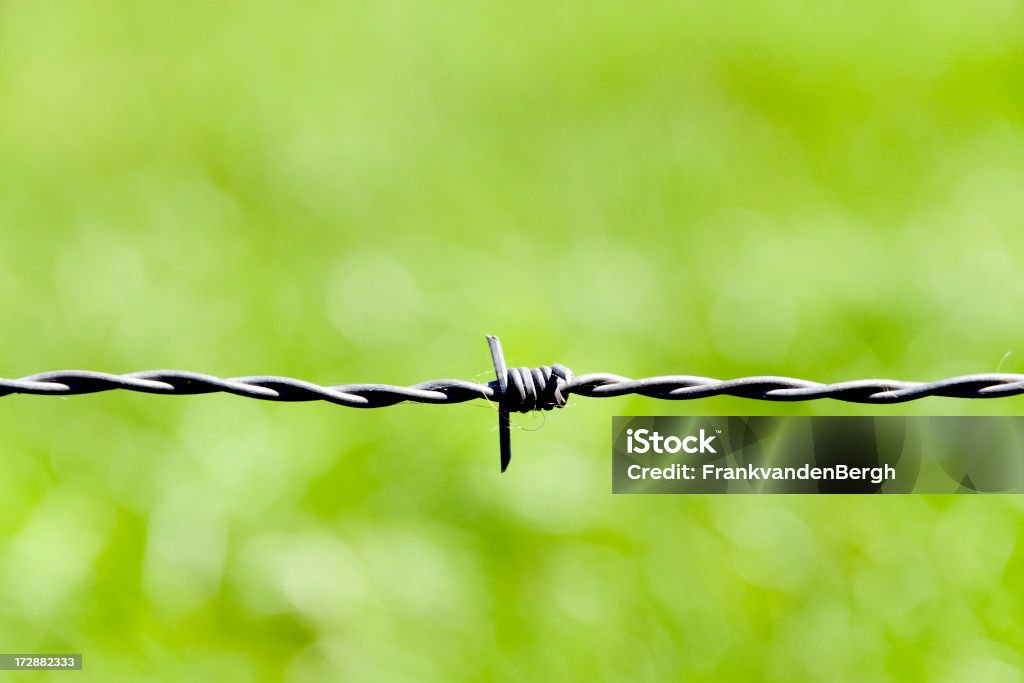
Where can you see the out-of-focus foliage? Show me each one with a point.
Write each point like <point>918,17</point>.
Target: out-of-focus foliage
<point>359,192</point>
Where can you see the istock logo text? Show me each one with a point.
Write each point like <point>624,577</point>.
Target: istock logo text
<point>646,441</point>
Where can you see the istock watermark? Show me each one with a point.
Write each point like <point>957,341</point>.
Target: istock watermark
<point>818,454</point>
<point>644,440</point>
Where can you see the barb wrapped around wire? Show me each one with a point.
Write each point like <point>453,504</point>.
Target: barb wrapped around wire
<point>514,389</point>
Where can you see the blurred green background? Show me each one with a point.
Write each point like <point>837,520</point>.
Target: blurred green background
<point>358,193</point>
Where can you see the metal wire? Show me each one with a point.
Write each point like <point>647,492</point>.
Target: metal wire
<point>594,385</point>
<point>514,389</point>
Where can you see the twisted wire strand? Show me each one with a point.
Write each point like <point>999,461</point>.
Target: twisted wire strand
<point>526,389</point>
<point>513,389</point>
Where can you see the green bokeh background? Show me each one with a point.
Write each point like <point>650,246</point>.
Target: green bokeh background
<point>358,193</point>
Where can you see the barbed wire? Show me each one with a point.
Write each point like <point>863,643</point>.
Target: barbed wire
<point>514,389</point>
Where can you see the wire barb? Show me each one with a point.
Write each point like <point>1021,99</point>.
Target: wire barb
<point>501,375</point>
<point>522,390</point>
<point>514,389</point>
